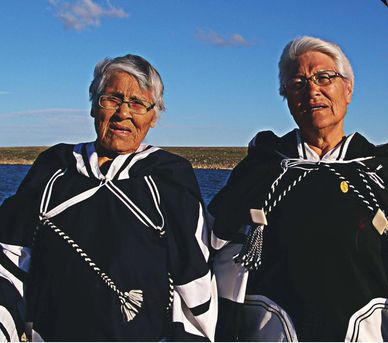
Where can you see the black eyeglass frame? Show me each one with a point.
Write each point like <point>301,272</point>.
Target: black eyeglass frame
<point>128,102</point>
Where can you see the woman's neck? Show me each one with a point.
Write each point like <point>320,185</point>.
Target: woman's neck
<point>104,156</point>
<point>322,143</point>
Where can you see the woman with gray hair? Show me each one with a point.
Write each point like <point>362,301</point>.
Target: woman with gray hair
<point>300,228</point>
<point>115,229</point>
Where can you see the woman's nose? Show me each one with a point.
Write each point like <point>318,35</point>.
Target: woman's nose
<point>312,88</point>
<point>124,111</point>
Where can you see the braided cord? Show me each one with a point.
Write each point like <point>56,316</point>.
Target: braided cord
<point>170,292</point>
<point>250,253</point>
<point>267,206</point>
<point>131,301</point>
<point>364,179</point>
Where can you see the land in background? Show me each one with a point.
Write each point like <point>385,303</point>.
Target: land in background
<point>200,157</point>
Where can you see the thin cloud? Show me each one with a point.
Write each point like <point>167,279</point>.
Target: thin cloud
<point>80,14</point>
<point>4,92</point>
<point>48,112</point>
<point>188,126</point>
<point>214,38</point>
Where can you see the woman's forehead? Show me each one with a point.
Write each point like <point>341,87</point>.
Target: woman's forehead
<point>312,61</point>
<point>123,82</point>
<point>121,78</point>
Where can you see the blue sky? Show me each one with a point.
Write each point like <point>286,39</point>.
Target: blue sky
<point>218,60</point>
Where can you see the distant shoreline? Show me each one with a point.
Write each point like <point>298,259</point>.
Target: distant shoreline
<point>200,157</point>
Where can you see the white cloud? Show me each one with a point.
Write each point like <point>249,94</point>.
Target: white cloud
<point>215,38</point>
<point>80,14</point>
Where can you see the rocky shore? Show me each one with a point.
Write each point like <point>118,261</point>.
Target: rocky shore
<point>200,157</point>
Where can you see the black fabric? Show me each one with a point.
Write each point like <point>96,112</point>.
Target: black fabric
<point>66,299</point>
<point>228,324</point>
<point>180,335</point>
<point>198,310</point>
<point>322,258</point>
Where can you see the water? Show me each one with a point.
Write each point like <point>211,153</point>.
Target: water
<point>10,178</point>
<point>210,181</point>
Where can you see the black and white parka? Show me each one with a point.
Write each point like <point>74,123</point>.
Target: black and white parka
<point>115,257</point>
<point>302,250</point>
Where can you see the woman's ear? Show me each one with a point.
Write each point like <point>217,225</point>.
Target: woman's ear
<point>154,120</point>
<point>348,91</point>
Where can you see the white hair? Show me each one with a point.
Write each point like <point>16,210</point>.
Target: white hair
<point>301,45</point>
<point>147,76</point>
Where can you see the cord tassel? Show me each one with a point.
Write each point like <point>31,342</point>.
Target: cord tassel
<point>250,254</point>
<point>131,303</point>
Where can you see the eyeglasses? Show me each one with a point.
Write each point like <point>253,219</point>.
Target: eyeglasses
<point>137,106</point>
<point>320,78</point>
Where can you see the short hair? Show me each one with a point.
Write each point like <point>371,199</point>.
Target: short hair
<point>147,76</point>
<point>300,45</point>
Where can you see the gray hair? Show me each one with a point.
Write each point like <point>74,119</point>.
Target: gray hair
<point>147,76</point>
<point>300,45</point>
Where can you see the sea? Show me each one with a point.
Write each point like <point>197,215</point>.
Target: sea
<point>210,180</point>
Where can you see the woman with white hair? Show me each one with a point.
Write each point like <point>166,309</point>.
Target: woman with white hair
<point>300,226</point>
<point>115,229</point>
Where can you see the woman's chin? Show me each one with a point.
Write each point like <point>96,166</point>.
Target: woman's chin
<point>116,147</point>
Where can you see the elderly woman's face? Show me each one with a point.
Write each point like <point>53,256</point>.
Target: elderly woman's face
<point>121,131</point>
<point>318,108</point>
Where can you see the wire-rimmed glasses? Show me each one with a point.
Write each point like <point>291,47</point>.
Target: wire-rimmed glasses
<point>137,106</point>
<point>320,78</point>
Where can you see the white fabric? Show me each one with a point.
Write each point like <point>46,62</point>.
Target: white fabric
<point>115,165</point>
<point>203,325</point>
<point>202,234</point>
<point>208,320</point>
<point>217,243</point>
<point>331,155</point>
<point>182,314</point>
<point>139,156</point>
<point>77,153</point>
<point>93,161</point>
<point>231,277</point>
<point>9,325</point>
<point>21,257</point>
<point>156,197</point>
<point>196,292</point>
<point>369,322</point>
<point>265,321</point>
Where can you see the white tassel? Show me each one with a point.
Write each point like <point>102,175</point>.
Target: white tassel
<point>131,303</point>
